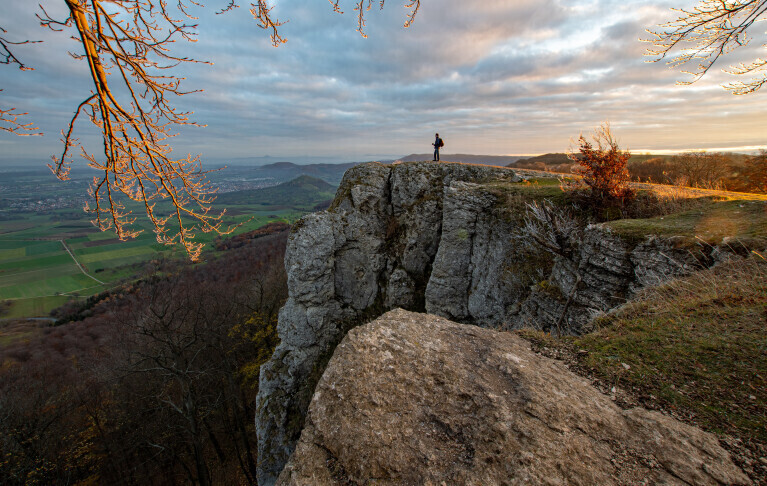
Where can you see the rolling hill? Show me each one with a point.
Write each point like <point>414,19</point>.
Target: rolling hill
<point>286,171</point>
<point>301,192</point>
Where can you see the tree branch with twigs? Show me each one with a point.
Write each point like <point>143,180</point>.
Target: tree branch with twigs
<point>126,45</point>
<point>705,33</point>
<point>9,117</point>
<point>362,6</point>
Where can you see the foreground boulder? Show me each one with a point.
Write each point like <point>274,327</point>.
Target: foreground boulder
<point>416,399</point>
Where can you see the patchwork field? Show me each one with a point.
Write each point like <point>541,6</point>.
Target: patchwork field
<point>38,273</point>
<point>50,252</point>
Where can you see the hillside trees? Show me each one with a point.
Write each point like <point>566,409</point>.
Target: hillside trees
<point>127,48</point>
<point>707,170</point>
<point>701,35</point>
<point>182,364</point>
<point>157,386</point>
<point>756,172</point>
<point>700,169</point>
<point>656,169</point>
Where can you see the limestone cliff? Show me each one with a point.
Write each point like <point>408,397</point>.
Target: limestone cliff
<point>436,238</point>
<point>477,407</point>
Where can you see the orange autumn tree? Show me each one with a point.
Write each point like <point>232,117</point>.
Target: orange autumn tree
<point>603,166</point>
<point>126,46</point>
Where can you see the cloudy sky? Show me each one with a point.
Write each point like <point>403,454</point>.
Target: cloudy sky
<point>491,76</point>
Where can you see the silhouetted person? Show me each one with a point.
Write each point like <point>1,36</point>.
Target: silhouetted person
<point>438,144</point>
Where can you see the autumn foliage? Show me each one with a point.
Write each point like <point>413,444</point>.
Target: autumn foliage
<point>603,167</point>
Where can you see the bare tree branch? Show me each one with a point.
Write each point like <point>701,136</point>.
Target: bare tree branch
<point>262,13</point>
<point>705,33</point>
<point>362,6</point>
<point>7,56</point>
<point>8,119</point>
<point>9,123</point>
<point>127,47</point>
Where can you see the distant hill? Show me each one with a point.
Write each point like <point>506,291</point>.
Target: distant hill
<point>499,160</point>
<point>302,192</point>
<point>280,166</point>
<point>285,171</point>
<point>546,159</point>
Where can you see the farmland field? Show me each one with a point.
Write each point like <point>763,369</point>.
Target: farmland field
<point>37,272</point>
<point>51,255</point>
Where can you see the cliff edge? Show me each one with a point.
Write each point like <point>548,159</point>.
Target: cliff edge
<point>444,239</point>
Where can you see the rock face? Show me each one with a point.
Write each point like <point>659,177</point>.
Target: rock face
<point>373,250</point>
<point>417,399</point>
<point>436,238</point>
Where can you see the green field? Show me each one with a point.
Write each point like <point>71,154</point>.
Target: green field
<point>38,274</point>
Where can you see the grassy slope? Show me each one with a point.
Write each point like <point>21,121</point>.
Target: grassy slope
<point>695,347</point>
<point>702,214</point>
<point>697,344</point>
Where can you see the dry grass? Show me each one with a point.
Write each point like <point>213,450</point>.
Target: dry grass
<point>679,192</point>
<point>695,347</point>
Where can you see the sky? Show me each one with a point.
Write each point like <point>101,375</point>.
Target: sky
<point>493,77</point>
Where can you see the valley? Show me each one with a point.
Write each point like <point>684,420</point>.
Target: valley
<point>50,252</point>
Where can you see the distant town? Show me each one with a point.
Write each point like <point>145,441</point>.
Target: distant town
<point>19,204</point>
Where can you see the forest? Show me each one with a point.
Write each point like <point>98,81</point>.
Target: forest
<point>152,383</point>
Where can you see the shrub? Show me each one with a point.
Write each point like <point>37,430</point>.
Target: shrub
<point>552,229</point>
<point>604,186</point>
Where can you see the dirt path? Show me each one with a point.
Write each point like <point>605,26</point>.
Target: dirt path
<point>78,263</point>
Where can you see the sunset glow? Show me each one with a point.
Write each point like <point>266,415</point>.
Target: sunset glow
<point>493,78</point>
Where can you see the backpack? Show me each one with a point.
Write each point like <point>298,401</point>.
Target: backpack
<point>441,143</point>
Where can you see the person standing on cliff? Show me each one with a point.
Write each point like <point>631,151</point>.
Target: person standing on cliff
<point>438,144</point>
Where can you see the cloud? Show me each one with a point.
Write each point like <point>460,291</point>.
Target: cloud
<point>492,76</point>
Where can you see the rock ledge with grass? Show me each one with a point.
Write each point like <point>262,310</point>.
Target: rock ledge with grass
<point>416,399</point>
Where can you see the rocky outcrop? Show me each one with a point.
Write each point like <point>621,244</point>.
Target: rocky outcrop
<point>373,250</point>
<point>436,238</point>
<point>416,399</point>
